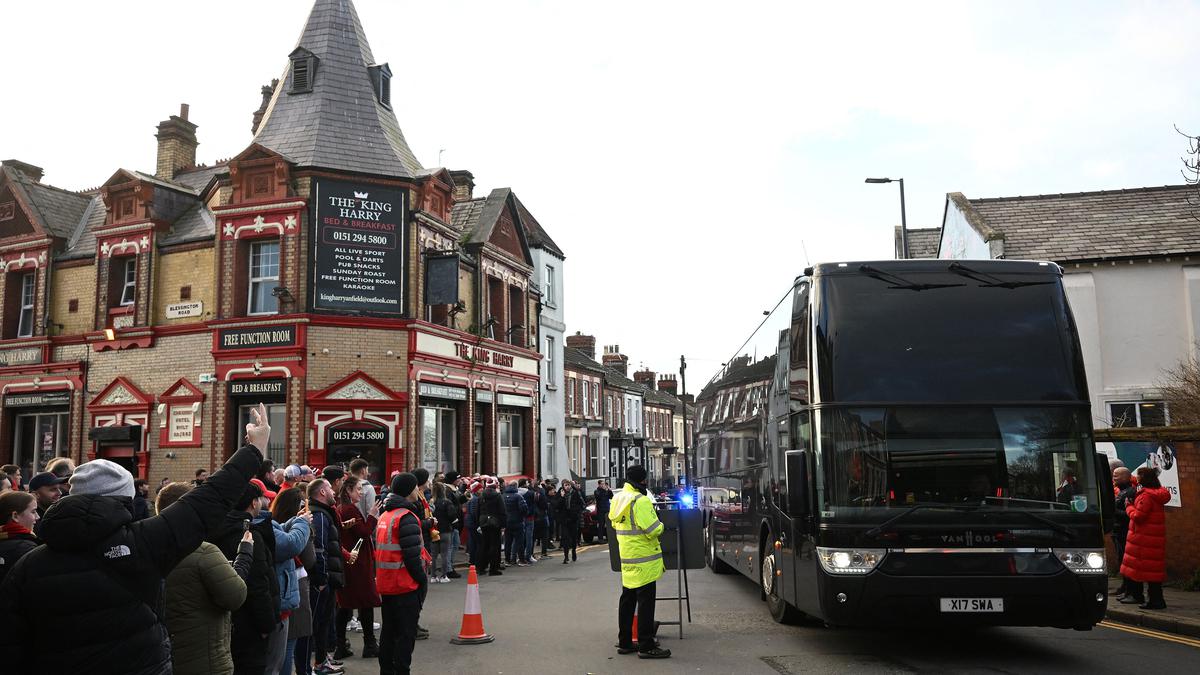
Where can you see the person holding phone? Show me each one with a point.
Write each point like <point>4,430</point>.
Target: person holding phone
<point>359,593</point>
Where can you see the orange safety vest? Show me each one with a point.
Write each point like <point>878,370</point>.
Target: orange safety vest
<point>391,576</point>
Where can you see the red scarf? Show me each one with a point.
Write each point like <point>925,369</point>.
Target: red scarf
<point>13,528</point>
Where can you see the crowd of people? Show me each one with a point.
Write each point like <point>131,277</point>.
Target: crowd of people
<point>1140,534</point>
<point>252,568</point>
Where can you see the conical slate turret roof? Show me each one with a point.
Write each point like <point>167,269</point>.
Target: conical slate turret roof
<point>339,124</point>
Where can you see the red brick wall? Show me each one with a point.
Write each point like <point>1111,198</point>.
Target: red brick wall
<point>1183,524</point>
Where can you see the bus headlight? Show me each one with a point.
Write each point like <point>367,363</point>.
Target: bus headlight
<point>849,560</point>
<point>1082,561</point>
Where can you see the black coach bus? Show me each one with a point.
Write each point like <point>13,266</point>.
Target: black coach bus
<point>918,451</point>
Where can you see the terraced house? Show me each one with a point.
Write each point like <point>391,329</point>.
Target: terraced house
<point>377,306</point>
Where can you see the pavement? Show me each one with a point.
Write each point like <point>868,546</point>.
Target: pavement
<point>561,619</point>
<point>1181,617</point>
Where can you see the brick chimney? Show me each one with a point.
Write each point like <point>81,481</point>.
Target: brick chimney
<point>584,343</point>
<point>268,90</point>
<point>645,377</point>
<point>613,358</point>
<point>464,186</point>
<point>667,383</point>
<point>176,144</point>
<point>34,173</point>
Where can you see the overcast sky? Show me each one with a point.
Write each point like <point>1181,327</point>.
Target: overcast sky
<point>689,157</point>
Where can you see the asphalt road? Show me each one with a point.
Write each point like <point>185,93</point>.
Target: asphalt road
<point>555,618</point>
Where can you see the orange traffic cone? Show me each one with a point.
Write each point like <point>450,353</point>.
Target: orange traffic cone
<point>635,629</point>
<point>471,632</point>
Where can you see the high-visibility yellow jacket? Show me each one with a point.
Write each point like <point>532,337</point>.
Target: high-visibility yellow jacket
<point>638,529</point>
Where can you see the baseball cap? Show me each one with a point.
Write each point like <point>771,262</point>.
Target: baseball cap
<point>292,472</point>
<point>45,479</point>
<point>261,486</point>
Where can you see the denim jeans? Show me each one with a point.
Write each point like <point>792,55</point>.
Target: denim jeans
<point>527,553</point>
<point>514,541</point>
<point>288,657</point>
<point>444,548</point>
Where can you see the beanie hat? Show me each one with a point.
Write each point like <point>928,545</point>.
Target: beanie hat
<point>332,473</point>
<point>452,476</point>
<point>636,473</point>
<point>421,474</point>
<point>404,484</point>
<point>102,477</point>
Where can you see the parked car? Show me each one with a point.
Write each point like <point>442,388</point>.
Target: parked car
<point>589,528</point>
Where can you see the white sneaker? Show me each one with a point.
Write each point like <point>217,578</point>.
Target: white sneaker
<point>377,627</point>
<point>354,625</point>
<point>443,579</point>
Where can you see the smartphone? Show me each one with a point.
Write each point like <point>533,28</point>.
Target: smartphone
<point>357,545</point>
<point>245,526</point>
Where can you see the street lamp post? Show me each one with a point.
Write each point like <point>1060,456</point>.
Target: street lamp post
<point>687,461</point>
<point>903,218</point>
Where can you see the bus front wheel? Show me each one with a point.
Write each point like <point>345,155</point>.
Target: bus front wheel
<point>780,610</point>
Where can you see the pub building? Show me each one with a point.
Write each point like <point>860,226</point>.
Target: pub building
<point>378,308</point>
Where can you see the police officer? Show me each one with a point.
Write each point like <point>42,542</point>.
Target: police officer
<point>638,530</point>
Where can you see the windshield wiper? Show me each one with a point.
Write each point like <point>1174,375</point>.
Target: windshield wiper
<point>898,281</point>
<point>1057,527</point>
<point>887,524</point>
<point>989,281</point>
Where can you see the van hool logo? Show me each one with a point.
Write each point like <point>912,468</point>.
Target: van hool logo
<point>968,538</point>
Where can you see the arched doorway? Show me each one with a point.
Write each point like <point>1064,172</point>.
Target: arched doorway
<point>346,442</point>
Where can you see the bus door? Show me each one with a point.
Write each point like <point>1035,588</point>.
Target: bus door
<point>799,465</point>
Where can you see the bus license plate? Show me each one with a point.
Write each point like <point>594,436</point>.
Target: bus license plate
<point>972,604</point>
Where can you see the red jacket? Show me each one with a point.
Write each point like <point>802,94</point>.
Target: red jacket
<point>1146,547</point>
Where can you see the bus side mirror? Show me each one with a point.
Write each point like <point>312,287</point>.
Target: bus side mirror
<point>797,483</point>
<point>1104,478</point>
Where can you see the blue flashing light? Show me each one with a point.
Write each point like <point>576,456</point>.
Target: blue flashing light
<point>688,500</point>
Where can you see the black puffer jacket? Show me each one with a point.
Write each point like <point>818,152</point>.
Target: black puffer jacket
<point>491,503</point>
<point>90,600</point>
<point>330,568</point>
<point>13,547</point>
<point>259,613</point>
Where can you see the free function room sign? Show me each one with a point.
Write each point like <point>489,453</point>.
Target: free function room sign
<point>258,337</point>
<point>358,247</point>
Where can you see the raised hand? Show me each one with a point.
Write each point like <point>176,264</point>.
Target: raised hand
<point>258,431</point>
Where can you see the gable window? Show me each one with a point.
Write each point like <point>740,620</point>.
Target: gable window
<point>1138,414</point>
<point>381,81</point>
<point>129,285</point>
<point>550,286</point>
<point>122,283</point>
<point>25,326</point>
<point>304,70</point>
<point>264,277</point>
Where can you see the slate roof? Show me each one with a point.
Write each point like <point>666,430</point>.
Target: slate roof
<point>197,179</point>
<point>1102,225</point>
<point>340,124</point>
<point>465,215</point>
<point>60,210</point>
<point>83,241</point>
<point>660,398</point>
<point>614,378</point>
<point>579,360</point>
<point>922,243</point>
<point>534,232</point>
<point>196,224</point>
<point>740,374</point>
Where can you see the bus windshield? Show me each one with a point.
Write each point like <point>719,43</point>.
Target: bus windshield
<point>1003,457</point>
<point>937,336</point>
